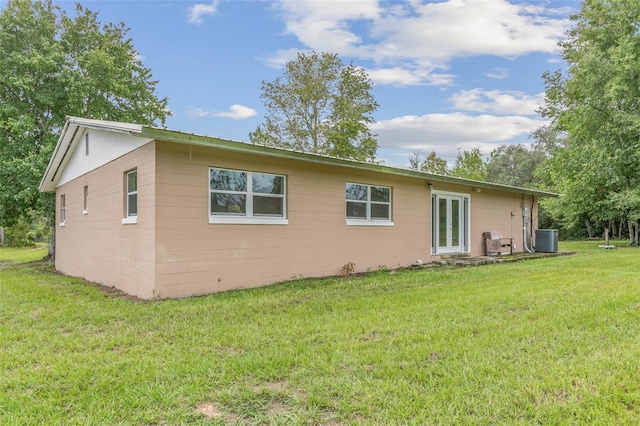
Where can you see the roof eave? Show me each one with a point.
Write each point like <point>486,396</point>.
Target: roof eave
<point>235,146</point>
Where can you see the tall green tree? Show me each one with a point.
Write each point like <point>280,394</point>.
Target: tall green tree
<point>597,103</point>
<point>53,65</point>
<point>514,165</point>
<point>431,163</point>
<point>470,165</point>
<point>320,106</point>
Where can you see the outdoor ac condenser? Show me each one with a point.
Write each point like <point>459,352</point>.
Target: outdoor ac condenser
<point>547,240</point>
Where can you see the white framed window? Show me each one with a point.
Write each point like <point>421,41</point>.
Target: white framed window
<point>131,199</point>
<point>86,200</point>
<point>368,204</point>
<point>63,210</point>
<point>238,196</point>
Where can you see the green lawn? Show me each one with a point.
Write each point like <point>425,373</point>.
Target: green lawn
<point>547,341</point>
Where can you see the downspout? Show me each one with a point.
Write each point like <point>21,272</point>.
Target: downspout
<point>532,225</point>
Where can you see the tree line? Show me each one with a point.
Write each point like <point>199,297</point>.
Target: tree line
<point>513,165</point>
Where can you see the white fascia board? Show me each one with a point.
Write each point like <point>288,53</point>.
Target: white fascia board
<point>113,126</point>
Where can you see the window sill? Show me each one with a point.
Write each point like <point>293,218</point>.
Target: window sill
<point>131,220</point>
<point>61,224</point>
<point>241,220</point>
<point>364,222</point>
<point>85,211</point>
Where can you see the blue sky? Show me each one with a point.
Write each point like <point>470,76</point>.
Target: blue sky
<point>448,75</point>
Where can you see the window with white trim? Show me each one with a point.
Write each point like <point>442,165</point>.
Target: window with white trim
<point>238,196</point>
<point>131,199</point>
<point>63,210</point>
<point>368,204</point>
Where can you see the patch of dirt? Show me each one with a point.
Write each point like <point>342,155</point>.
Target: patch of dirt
<point>277,409</point>
<point>209,410</point>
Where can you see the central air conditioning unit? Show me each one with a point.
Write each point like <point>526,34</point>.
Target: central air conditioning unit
<point>547,240</point>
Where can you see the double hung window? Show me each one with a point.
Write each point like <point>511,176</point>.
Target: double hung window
<point>237,196</point>
<point>131,200</point>
<point>368,204</point>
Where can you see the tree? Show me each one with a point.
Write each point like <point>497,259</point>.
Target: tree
<point>319,106</point>
<point>53,66</point>
<point>596,102</point>
<point>470,165</point>
<point>431,164</point>
<point>514,165</point>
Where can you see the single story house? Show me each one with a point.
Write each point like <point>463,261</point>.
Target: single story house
<point>158,213</point>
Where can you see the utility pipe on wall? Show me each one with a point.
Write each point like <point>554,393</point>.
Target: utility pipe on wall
<point>525,219</point>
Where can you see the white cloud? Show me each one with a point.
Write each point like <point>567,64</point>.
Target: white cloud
<point>236,112</point>
<point>198,11</point>
<point>497,101</point>
<point>196,113</point>
<point>409,42</point>
<point>325,24</point>
<point>497,73</point>
<point>447,133</point>
<point>398,76</point>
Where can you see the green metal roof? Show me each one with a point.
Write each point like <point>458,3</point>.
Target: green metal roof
<point>229,145</point>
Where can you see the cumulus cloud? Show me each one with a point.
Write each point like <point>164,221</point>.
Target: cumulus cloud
<point>196,113</point>
<point>448,133</point>
<point>497,101</point>
<point>198,11</point>
<point>413,42</point>
<point>398,76</point>
<point>236,112</point>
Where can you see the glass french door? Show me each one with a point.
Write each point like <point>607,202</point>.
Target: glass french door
<point>449,216</point>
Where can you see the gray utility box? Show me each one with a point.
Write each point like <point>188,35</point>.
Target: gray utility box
<point>547,240</point>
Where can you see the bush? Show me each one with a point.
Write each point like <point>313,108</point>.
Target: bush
<point>27,231</point>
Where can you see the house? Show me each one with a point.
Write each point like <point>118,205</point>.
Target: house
<point>158,213</point>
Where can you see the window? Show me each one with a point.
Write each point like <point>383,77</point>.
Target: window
<point>368,205</point>
<point>246,197</point>
<point>86,200</point>
<point>131,201</point>
<point>63,210</point>
<point>86,144</point>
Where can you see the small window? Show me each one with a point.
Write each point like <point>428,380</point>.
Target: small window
<point>86,200</point>
<point>237,196</point>
<point>131,200</point>
<point>63,210</point>
<point>368,204</point>
<point>86,144</point>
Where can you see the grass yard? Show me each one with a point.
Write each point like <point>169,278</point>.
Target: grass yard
<point>547,341</point>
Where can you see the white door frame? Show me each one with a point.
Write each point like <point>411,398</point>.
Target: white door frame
<point>458,222</point>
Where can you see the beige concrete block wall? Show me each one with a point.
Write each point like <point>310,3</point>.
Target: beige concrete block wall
<point>173,251</point>
<point>195,257</point>
<point>96,246</point>
<point>491,211</point>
